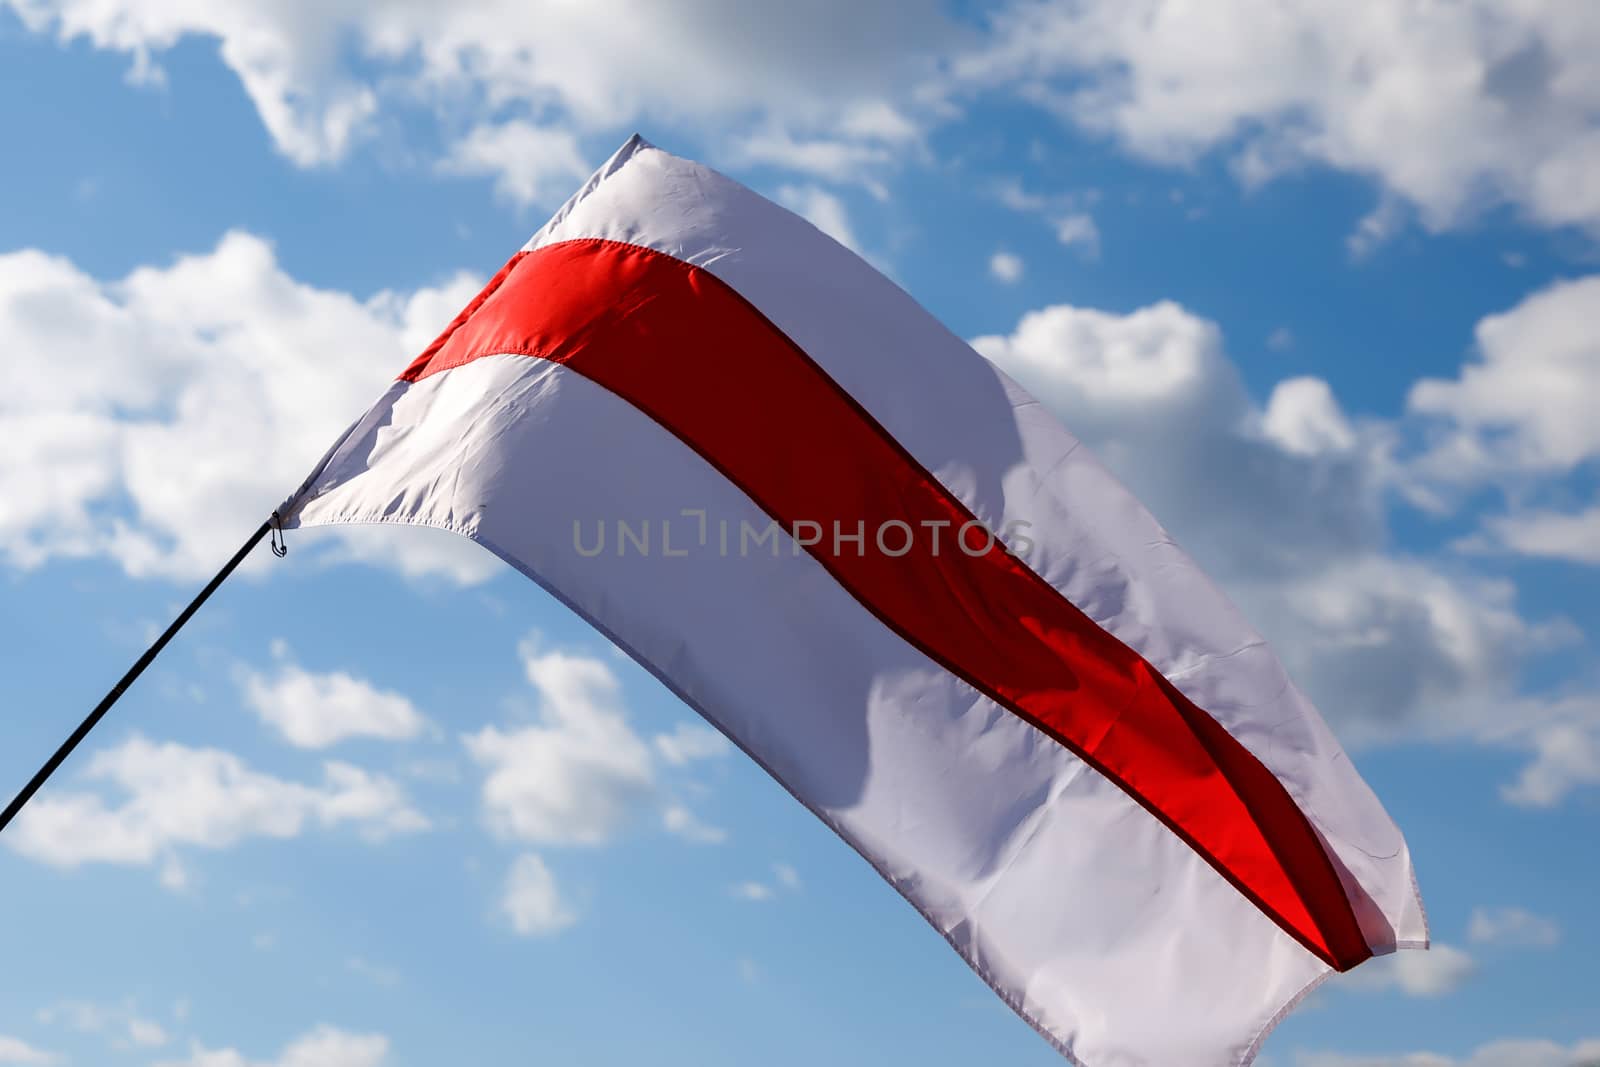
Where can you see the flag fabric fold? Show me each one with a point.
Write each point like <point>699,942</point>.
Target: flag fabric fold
<point>880,568</point>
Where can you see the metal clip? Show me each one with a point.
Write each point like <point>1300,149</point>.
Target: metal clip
<point>277,544</point>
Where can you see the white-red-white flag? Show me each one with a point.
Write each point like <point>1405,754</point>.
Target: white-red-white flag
<point>887,574</point>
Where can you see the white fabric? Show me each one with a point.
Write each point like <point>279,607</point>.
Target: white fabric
<point>1090,918</point>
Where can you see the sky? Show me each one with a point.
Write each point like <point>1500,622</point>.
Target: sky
<point>1319,282</point>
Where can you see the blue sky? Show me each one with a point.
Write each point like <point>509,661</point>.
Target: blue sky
<point>1323,289</point>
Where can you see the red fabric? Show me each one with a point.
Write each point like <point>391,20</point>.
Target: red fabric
<point>686,350</point>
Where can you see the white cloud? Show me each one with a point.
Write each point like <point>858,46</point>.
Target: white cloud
<point>1435,973</point>
<point>1512,926</point>
<point>689,742</point>
<point>81,1015</point>
<point>1286,507</point>
<point>530,164</point>
<point>1573,537</point>
<point>1376,228</point>
<point>823,210</point>
<point>372,972</point>
<point>146,1033</point>
<point>1566,756</point>
<point>1080,358</point>
<point>242,378</point>
<point>319,74</point>
<point>581,774</point>
<point>787,876</point>
<point>1396,648</point>
<point>679,820</point>
<point>1518,417</point>
<point>1079,231</point>
<point>325,1046</point>
<point>577,776</point>
<point>179,797</point>
<point>14,1050</point>
<point>1526,405</point>
<point>869,138</point>
<point>1066,213</point>
<point>532,901</point>
<point>121,1024</point>
<point>1514,1053</point>
<point>284,62</point>
<point>1006,267</point>
<point>318,710</point>
<point>1303,416</point>
<point>1450,107</point>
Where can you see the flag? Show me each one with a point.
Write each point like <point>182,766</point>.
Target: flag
<point>889,576</point>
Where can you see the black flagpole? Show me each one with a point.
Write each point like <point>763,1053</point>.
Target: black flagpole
<point>137,669</point>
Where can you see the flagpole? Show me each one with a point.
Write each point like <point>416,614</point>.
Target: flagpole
<point>128,679</point>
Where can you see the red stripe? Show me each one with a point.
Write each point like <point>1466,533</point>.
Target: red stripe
<point>684,348</point>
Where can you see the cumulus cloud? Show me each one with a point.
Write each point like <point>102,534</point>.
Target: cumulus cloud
<point>823,210</point>
<point>1066,213</point>
<point>146,1034</point>
<point>827,158</point>
<point>1518,418</point>
<point>1451,108</point>
<point>1515,1053</point>
<point>1376,228</point>
<point>1286,505</point>
<point>14,1050</point>
<point>1154,394</point>
<point>245,376</point>
<point>582,772</point>
<point>531,901</point>
<point>679,820</point>
<point>1302,416</point>
<point>530,164</point>
<point>1566,756</point>
<point>287,64</point>
<point>375,973</point>
<point>689,742</point>
<point>1572,537</point>
<point>315,710</point>
<point>577,776</point>
<point>1512,926</point>
<point>325,1046</point>
<point>1078,230</point>
<point>1435,973</point>
<point>318,75</point>
<point>175,797</point>
<point>786,878</point>
<point>1526,404</point>
<point>121,1024</point>
<point>1397,648</point>
<point>1006,267</point>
